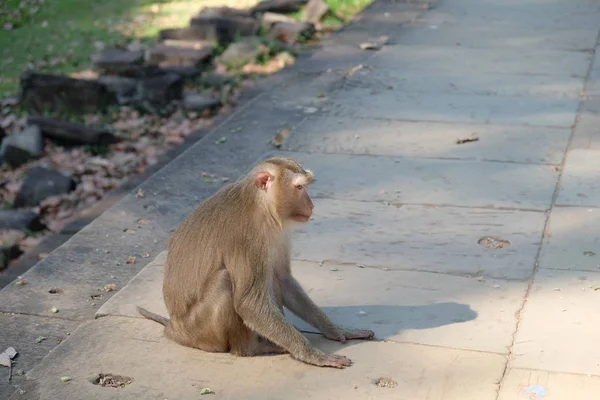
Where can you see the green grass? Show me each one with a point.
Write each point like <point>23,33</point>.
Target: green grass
<point>60,35</point>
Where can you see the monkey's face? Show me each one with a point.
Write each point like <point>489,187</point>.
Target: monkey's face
<point>300,205</point>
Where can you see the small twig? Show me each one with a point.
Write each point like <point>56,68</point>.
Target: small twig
<point>473,138</point>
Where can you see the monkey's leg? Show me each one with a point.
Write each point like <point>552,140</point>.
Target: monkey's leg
<point>297,301</point>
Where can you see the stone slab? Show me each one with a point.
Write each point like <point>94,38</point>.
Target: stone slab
<point>436,239</point>
<point>586,134</point>
<point>163,370</point>
<point>398,306</point>
<point>457,82</point>
<point>480,60</point>
<point>21,332</point>
<point>594,77</point>
<point>429,140</point>
<point>557,332</point>
<point>453,108</point>
<point>431,181</point>
<point>572,242</point>
<point>534,14</point>
<point>523,384</point>
<point>579,184</point>
<point>485,36</point>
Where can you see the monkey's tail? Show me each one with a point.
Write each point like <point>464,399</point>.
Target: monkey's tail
<point>151,316</point>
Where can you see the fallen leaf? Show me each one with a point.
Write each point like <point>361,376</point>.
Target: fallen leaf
<point>206,391</point>
<point>221,140</point>
<point>20,372</point>
<point>472,138</point>
<point>65,378</point>
<point>20,282</point>
<point>145,255</point>
<point>130,231</point>
<point>277,140</point>
<point>130,260</point>
<point>40,339</point>
<point>140,194</point>
<point>54,310</point>
<point>41,256</point>
<point>110,287</point>
<point>144,221</point>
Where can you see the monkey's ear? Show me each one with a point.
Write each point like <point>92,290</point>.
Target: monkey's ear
<point>262,180</point>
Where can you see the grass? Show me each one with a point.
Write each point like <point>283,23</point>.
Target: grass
<point>60,35</point>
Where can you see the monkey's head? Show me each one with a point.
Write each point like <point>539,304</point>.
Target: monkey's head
<point>283,183</point>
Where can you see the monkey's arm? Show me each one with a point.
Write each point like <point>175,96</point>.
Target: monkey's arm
<point>298,302</point>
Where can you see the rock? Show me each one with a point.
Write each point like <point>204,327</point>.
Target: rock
<point>157,91</point>
<point>57,93</point>
<point>40,184</point>
<point>9,246</point>
<point>291,32</point>
<point>20,220</point>
<point>148,71</point>
<point>224,24</point>
<point>183,72</point>
<point>179,56</point>
<point>269,18</point>
<point>69,133</point>
<point>215,80</point>
<point>314,11</point>
<point>199,102</point>
<point>241,53</point>
<point>117,59</point>
<point>2,134</point>
<point>124,89</point>
<point>19,148</point>
<point>278,6</point>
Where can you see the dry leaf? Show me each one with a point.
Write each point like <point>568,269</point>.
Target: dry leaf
<point>145,255</point>
<point>130,260</point>
<point>110,287</point>
<point>140,194</point>
<point>130,231</point>
<point>277,141</point>
<point>20,282</point>
<point>472,138</point>
<point>54,310</point>
<point>144,221</point>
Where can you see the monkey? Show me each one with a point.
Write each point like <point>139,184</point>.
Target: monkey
<point>228,271</point>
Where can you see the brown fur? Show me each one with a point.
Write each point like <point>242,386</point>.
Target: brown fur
<point>228,273</point>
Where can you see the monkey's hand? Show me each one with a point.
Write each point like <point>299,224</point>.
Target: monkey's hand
<point>321,359</point>
<point>343,334</point>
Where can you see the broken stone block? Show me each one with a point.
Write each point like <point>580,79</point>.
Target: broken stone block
<point>20,220</point>
<point>70,133</point>
<point>314,11</point>
<point>124,89</point>
<point>241,53</point>
<point>223,24</point>
<point>216,80</point>
<point>165,55</point>
<point>278,6</point>
<point>58,93</point>
<point>269,18</point>
<point>157,91</point>
<point>291,32</point>
<point>199,102</point>
<point>19,148</point>
<point>117,59</point>
<point>9,246</point>
<point>40,184</point>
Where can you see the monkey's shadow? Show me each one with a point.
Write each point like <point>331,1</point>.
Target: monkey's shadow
<point>389,321</point>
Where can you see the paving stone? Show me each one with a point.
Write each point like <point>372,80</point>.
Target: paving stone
<point>594,77</point>
<point>22,333</point>
<point>559,15</point>
<point>579,185</point>
<point>586,134</point>
<point>399,306</point>
<point>433,140</point>
<point>433,182</point>
<point>572,243</point>
<point>525,384</point>
<point>484,36</point>
<point>455,81</point>
<point>116,345</point>
<point>480,60</point>
<point>556,332</point>
<point>423,238</point>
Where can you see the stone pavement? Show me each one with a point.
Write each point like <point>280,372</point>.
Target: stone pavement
<point>400,209</point>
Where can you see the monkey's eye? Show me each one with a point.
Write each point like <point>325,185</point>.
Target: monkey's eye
<point>299,187</point>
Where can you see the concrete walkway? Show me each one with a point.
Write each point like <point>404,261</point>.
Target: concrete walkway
<point>403,215</point>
